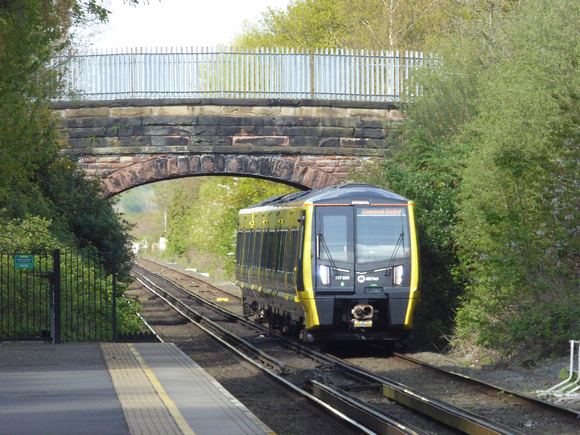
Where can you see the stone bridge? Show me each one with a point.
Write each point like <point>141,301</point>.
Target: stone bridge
<point>304,143</point>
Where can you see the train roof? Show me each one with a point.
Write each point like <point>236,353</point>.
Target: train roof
<point>338,194</point>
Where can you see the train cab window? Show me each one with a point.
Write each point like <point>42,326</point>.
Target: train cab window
<point>334,234</point>
<point>382,234</point>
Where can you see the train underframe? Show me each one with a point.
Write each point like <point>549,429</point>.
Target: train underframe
<point>340,319</point>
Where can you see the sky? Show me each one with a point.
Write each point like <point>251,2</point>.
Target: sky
<point>178,23</point>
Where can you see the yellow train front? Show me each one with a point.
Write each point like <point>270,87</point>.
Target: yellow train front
<point>338,263</point>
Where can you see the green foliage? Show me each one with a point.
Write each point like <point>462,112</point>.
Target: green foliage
<point>32,33</point>
<point>352,24</point>
<point>490,156</point>
<point>520,194</point>
<point>31,234</point>
<point>555,321</point>
<point>45,203</point>
<point>34,179</point>
<point>86,292</point>
<point>504,98</point>
<point>27,138</point>
<point>89,219</point>
<point>202,217</point>
<point>128,322</point>
<point>87,310</point>
<point>136,200</point>
<point>306,23</point>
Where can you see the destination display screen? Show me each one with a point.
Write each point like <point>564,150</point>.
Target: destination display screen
<point>380,211</point>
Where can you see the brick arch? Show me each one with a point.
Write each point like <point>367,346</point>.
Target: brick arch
<point>144,170</point>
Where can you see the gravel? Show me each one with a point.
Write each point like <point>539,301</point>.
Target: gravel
<point>259,395</point>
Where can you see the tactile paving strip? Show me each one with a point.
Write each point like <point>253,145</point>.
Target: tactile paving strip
<point>237,419</point>
<point>144,409</point>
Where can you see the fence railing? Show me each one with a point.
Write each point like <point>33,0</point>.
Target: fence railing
<point>342,74</point>
<point>58,296</point>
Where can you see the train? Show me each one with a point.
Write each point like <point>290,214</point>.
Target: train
<point>333,264</point>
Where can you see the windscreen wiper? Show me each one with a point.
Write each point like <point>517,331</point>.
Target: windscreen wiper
<point>322,242</point>
<point>391,261</point>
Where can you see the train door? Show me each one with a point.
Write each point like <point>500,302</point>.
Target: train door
<point>334,250</point>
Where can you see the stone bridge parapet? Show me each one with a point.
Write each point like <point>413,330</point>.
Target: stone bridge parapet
<point>303,143</point>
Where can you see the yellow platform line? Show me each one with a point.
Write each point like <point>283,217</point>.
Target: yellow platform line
<point>172,408</point>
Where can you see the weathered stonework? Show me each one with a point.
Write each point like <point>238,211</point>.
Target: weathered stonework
<point>308,144</point>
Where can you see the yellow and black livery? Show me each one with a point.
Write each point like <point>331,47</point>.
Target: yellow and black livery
<point>338,263</point>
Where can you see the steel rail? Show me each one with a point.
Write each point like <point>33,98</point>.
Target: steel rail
<point>372,418</point>
<point>201,320</point>
<point>565,412</point>
<point>320,403</point>
<point>298,347</point>
<point>440,411</point>
<point>443,412</point>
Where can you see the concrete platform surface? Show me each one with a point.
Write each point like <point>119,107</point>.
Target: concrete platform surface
<point>114,388</point>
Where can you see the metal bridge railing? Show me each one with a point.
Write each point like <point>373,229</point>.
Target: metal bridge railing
<point>353,75</point>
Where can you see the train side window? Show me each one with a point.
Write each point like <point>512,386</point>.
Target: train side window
<point>293,250</point>
<point>287,251</point>
<point>265,249</point>
<point>252,250</point>
<point>239,247</point>
<point>257,249</point>
<point>263,241</point>
<point>247,248</point>
<point>276,252</point>
<point>280,256</point>
<point>271,251</point>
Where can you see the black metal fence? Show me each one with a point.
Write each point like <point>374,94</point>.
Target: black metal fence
<point>58,296</point>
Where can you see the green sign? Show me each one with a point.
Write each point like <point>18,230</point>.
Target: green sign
<point>24,261</point>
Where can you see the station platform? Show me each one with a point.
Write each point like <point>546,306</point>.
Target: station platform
<point>114,388</point>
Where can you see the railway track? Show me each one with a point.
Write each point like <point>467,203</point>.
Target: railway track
<point>347,390</point>
<point>497,393</point>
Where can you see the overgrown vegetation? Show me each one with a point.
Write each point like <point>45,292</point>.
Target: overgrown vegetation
<point>45,201</point>
<point>519,229</point>
<point>364,24</point>
<point>489,153</point>
<point>200,218</point>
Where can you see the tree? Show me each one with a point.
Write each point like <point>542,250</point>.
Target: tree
<point>520,193</point>
<point>394,24</point>
<point>202,217</point>
<point>31,34</point>
<point>490,155</point>
<point>358,24</point>
<point>305,23</point>
<point>45,202</point>
<point>35,180</point>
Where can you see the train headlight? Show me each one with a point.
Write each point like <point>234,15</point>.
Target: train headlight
<point>398,275</point>
<point>324,274</point>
